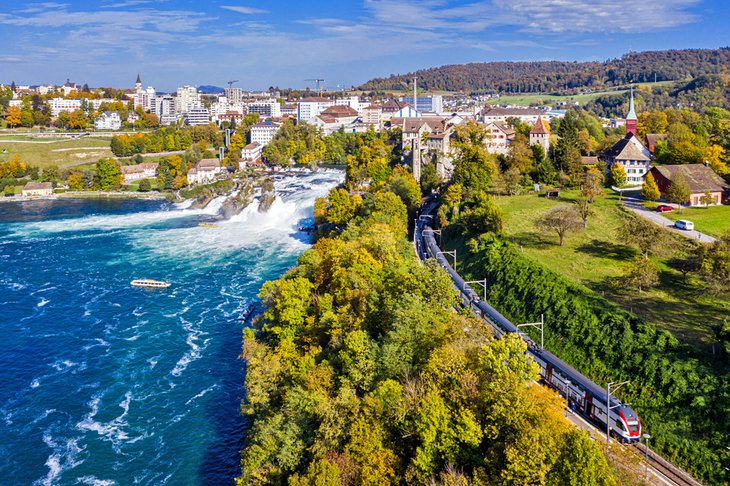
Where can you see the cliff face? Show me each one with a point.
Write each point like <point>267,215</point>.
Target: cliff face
<point>239,201</point>
<point>268,195</point>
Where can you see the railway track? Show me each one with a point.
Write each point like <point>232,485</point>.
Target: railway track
<point>666,468</point>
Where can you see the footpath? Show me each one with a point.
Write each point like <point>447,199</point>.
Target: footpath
<point>634,204</point>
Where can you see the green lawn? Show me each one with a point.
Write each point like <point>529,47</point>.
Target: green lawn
<point>63,153</point>
<point>597,259</point>
<point>543,99</point>
<point>714,220</point>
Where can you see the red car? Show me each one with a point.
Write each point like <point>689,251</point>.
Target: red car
<point>663,208</point>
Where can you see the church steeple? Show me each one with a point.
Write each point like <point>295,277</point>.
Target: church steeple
<point>139,80</point>
<point>631,116</point>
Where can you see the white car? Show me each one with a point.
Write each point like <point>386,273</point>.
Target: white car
<point>683,224</point>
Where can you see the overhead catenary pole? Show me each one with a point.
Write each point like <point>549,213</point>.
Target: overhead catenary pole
<point>415,94</point>
<point>540,325</point>
<point>609,407</point>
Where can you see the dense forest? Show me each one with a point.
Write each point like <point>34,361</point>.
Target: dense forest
<point>548,76</point>
<point>360,373</point>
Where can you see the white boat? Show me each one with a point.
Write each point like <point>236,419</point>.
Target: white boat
<point>146,282</point>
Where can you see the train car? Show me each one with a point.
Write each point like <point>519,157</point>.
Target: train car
<point>583,395</point>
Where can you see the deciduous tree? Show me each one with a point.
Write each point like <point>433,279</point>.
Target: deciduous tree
<point>642,233</point>
<point>650,189</point>
<point>561,220</point>
<point>678,191</point>
<point>618,175</point>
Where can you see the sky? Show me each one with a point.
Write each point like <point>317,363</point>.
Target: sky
<point>262,43</point>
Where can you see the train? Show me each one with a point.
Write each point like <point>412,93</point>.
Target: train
<point>584,396</point>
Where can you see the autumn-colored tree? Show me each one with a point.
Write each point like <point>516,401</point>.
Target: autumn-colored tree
<point>715,157</point>
<point>644,234</point>
<point>78,120</point>
<point>650,189</point>
<point>642,274</point>
<point>76,181</point>
<point>618,175</point>
<point>591,185</point>
<point>13,118</point>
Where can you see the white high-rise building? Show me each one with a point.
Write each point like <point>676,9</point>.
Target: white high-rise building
<point>263,133</point>
<point>311,107</point>
<point>266,108</point>
<point>197,115</point>
<point>187,98</point>
<point>61,104</point>
<point>234,95</point>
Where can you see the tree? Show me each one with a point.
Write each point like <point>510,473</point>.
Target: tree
<point>618,175</point>
<point>591,185</point>
<point>642,233</point>
<point>567,149</point>
<point>13,117</point>
<point>678,191</point>
<point>650,189</point>
<point>145,185</point>
<point>519,154</point>
<point>707,199</point>
<point>715,157</point>
<point>714,263</point>
<point>429,179</point>
<point>642,274</point>
<point>76,181</point>
<point>583,206</point>
<point>62,120</point>
<point>562,220</point>
<point>108,175</point>
<point>474,167</point>
<point>78,120</point>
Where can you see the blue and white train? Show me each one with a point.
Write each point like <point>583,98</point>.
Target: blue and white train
<point>589,399</point>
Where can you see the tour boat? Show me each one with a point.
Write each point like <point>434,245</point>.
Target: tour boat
<point>146,282</point>
<point>247,313</point>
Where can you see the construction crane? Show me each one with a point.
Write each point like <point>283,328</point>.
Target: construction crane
<point>319,82</point>
<point>230,83</point>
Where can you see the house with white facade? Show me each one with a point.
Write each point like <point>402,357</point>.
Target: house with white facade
<point>62,104</point>
<point>525,115</point>
<point>263,133</point>
<point>500,137</point>
<point>251,152</point>
<point>335,118</point>
<point>633,157</point>
<point>109,120</point>
<point>132,173</point>
<point>205,172</point>
<point>32,189</point>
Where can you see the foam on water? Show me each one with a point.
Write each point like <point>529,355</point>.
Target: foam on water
<point>101,381</point>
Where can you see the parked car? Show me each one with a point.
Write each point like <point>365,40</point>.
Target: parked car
<point>683,224</point>
<point>663,208</point>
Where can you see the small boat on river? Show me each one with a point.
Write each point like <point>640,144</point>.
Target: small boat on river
<point>246,314</point>
<point>207,225</point>
<point>149,283</point>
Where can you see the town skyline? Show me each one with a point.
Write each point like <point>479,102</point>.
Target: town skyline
<point>347,43</point>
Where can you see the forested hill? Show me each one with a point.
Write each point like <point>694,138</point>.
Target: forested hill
<point>546,76</point>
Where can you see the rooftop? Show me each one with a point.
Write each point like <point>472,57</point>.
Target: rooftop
<point>699,177</point>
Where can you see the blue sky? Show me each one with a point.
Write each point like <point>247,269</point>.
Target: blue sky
<point>282,43</point>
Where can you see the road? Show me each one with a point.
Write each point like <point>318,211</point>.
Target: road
<point>634,204</point>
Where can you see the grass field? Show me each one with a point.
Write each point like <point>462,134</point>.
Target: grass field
<point>597,259</point>
<point>63,153</point>
<point>714,220</point>
<point>543,99</point>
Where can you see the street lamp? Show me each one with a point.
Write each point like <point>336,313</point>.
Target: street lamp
<point>646,455</point>
<point>609,407</point>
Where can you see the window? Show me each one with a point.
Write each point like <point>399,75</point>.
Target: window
<point>620,425</point>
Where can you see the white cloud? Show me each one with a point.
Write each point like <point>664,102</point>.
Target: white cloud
<point>244,10</point>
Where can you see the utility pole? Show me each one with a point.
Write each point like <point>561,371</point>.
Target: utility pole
<point>609,407</point>
<point>540,325</point>
<point>646,456</point>
<point>415,93</point>
<point>483,283</point>
<point>450,253</point>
